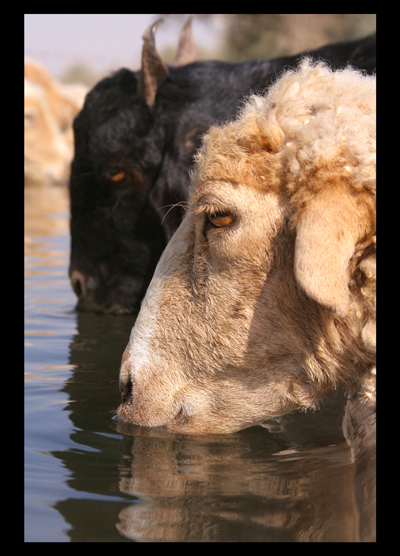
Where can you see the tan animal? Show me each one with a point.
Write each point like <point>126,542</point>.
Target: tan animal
<point>50,108</point>
<point>263,301</point>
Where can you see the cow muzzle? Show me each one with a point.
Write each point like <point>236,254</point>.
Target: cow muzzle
<point>95,297</point>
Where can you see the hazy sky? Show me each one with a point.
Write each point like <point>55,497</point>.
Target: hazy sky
<point>104,41</point>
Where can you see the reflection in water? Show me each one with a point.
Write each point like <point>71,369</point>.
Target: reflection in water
<point>299,484</point>
<point>304,477</point>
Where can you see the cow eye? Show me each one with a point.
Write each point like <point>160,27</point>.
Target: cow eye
<point>116,176</point>
<point>221,219</point>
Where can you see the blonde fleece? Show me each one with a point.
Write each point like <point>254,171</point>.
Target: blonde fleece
<point>311,119</point>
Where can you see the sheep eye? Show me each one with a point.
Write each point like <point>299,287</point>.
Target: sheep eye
<point>221,219</point>
<point>116,176</point>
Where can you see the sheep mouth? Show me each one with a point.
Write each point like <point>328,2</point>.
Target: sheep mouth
<point>129,426</point>
<point>128,412</point>
<point>177,425</point>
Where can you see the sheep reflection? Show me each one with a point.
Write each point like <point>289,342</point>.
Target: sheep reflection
<point>299,484</point>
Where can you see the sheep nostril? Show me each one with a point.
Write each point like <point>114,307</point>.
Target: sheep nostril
<point>126,392</point>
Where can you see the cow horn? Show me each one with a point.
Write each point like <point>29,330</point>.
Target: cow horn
<point>187,50</point>
<point>154,71</point>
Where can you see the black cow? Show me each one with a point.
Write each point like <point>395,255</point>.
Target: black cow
<point>134,143</point>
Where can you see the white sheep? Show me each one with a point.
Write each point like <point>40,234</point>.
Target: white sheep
<point>263,301</point>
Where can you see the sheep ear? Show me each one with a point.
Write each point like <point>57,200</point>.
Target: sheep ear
<point>154,71</point>
<point>187,50</point>
<point>325,242</point>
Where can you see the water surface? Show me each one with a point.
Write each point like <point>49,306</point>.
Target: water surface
<point>305,477</point>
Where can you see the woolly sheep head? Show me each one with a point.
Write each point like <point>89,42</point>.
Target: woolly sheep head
<point>262,301</point>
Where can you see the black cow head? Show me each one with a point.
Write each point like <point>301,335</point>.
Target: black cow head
<point>118,202</point>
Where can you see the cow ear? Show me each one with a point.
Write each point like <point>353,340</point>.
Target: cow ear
<point>326,236</point>
<point>154,71</point>
<point>187,50</point>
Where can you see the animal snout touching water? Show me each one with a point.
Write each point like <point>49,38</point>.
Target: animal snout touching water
<point>263,300</point>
